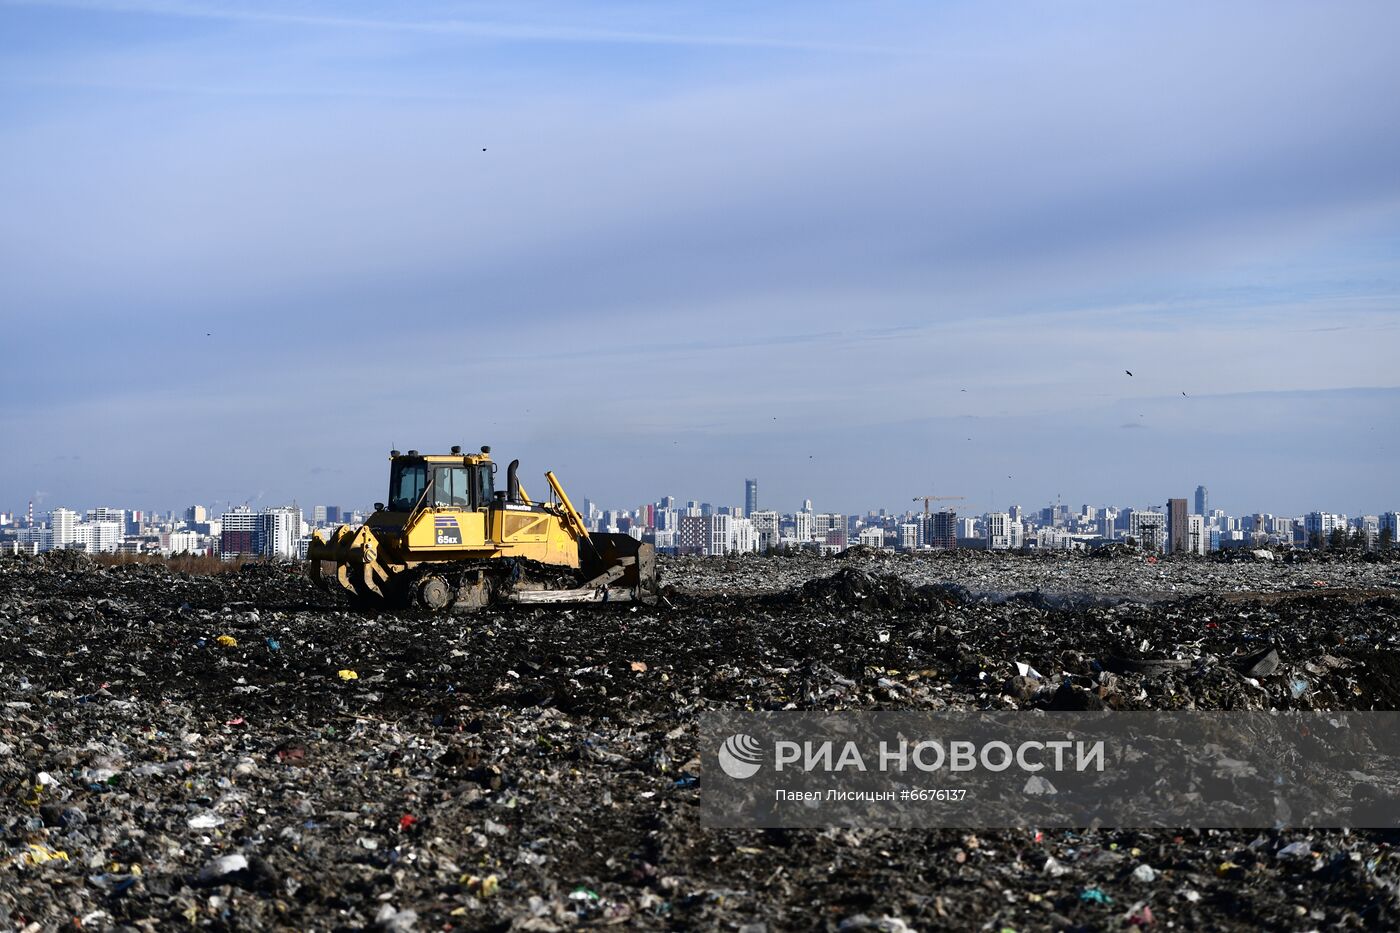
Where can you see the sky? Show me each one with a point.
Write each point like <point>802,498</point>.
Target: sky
<point>860,252</point>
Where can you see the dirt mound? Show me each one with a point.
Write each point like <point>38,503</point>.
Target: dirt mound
<point>860,589</point>
<point>65,561</point>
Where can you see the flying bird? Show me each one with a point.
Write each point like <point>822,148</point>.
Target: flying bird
<point>1184,395</point>
<point>1128,371</point>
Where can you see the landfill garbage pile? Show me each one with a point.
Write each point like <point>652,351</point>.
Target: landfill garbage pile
<point>241,751</point>
<point>1115,572</point>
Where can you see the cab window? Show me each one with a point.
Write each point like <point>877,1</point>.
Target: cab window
<point>450,487</point>
<point>406,484</point>
<point>485,485</point>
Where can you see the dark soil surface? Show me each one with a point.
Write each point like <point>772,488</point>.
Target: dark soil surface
<point>242,751</point>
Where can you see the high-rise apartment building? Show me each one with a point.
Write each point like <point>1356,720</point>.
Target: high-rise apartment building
<point>802,526</point>
<point>1147,528</point>
<point>743,539</point>
<point>63,528</point>
<point>1198,541</point>
<point>872,537</point>
<point>766,527</point>
<point>280,532</point>
<point>1002,533</point>
<point>1202,501</point>
<point>238,531</point>
<point>942,529</point>
<point>104,514</point>
<point>1370,528</point>
<point>823,523</point>
<point>95,536</point>
<point>1390,528</point>
<point>908,536</point>
<point>1178,528</point>
<point>1318,526</point>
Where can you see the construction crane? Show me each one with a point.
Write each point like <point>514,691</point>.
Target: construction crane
<point>928,499</point>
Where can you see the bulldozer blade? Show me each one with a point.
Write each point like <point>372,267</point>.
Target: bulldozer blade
<point>600,555</point>
<point>584,594</point>
<point>342,557</point>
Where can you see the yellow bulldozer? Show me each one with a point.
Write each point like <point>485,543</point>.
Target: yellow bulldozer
<point>446,538</point>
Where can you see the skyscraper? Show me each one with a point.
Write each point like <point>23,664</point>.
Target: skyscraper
<point>1002,532</point>
<point>64,524</point>
<point>238,531</point>
<point>750,496</point>
<point>1178,529</point>
<point>942,530</point>
<point>1202,501</point>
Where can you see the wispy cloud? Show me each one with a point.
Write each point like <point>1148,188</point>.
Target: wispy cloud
<point>472,29</point>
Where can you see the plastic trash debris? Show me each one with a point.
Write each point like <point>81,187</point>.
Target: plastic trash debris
<point>223,865</point>
<point>1140,916</point>
<point>228,641</point>
<point>39,854</point>
<point>347,674</point>
<point>1259,664</point>
<point>392,920</point>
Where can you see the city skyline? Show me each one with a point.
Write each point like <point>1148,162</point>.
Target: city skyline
<point>744,501</point>
<point>860,254</point>
<point>701,528</point>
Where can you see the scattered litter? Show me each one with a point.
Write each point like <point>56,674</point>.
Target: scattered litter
<point>223,865</point>
<point>228,788</point>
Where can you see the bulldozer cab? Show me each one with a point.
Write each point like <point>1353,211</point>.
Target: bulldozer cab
<point>440,483</point>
